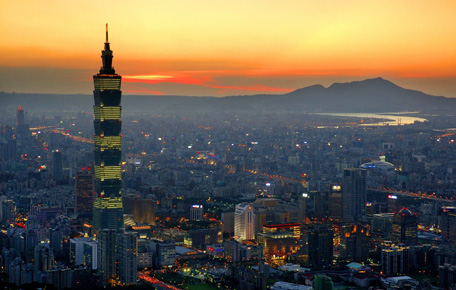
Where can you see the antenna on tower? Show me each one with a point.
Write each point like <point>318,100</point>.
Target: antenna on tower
<point>107,33</point>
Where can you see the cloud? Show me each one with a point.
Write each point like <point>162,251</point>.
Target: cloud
<point>137,90</point>
<point>201,78</point>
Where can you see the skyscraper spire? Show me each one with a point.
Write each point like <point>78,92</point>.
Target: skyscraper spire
<point>107,41</point>
<point>106,56</point>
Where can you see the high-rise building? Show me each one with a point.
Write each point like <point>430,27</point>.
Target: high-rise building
<point>320,205</point>
<point>57,165</point>
<point>20,116</point>
<point>55,241</point>
<point>127,250</point>
<point>227,219</point>
<point>108,210</point>
<point>318,246</point>
<point>244,222</point>
<point>44,257</point>
<point>22,129</point>
<point>396,259</point>
<point>83,193</point>
<point>107,255</point>
<point>382,225</point>
<point>302,206</point>
<point>405,227</point>
<point>90,252</point>
<point>394,204</point>
<point>447,273</point>
<point>8,212</point>
<point>335,207</point>
<point>164,253</point>
<point>354,242</point>
<point>448,224</point>
<point>77,250</point>
<point>354,195</point>
<point>196,212</point>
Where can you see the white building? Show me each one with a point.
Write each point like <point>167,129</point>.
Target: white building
<point>77,250</point>
<point>244,222</point>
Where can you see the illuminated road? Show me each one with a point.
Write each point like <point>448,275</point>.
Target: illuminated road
<point>413,194</point>
<point>43,128</point>
<point>75,138</point>
<point>157,283</point>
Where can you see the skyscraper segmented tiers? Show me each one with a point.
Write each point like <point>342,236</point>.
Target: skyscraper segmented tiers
<point>108,209</point>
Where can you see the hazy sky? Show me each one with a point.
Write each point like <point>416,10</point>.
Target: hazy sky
<point>215,47</point>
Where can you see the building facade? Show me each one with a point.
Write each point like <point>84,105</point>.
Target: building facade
<point>354,195</point>
<point>108,209</point>
<point>244,222</point>
<point>127,250</point>
<point>84,189</point>
<point>405,227</point>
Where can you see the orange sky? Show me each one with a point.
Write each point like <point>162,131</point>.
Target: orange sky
<point>227,47</point>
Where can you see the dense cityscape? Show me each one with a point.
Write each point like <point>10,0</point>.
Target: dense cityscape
<point>224,201</point>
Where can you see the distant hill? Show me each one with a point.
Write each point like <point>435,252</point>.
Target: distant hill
<point>367,96</point>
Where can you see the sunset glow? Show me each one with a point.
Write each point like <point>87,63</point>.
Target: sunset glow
<point>228,47</point>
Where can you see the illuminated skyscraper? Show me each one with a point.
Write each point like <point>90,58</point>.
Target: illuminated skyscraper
<point>108,210</point>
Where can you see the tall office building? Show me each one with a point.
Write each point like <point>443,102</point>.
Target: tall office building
<point>57,165</point>
<point>108,210</point>
<point>396,259</point>
<point>244,222</point>
<point>335,208</point>
<point>22,129</point>
<point>405,227</point>
<point>127,250</point>
<point>354,195</point>
<point>318,246</point>
<point>8,212</point>
<point>448,223</point>
<point>20,116</point>
<point>302,206</point>
<point>107,255</point>
<point>55,241</point>
<point>354,242</point>
<point>83,193</point>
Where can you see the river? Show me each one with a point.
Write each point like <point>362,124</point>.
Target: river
<point>393,119</point>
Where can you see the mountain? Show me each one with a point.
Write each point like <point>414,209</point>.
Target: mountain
<point>367,96</point>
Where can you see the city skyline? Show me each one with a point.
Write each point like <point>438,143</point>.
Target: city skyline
<point>230,48</point>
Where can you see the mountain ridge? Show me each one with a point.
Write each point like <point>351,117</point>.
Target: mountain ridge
<point>369,95</point>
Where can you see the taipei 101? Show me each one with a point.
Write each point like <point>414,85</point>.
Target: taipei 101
<point>237,145</point>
